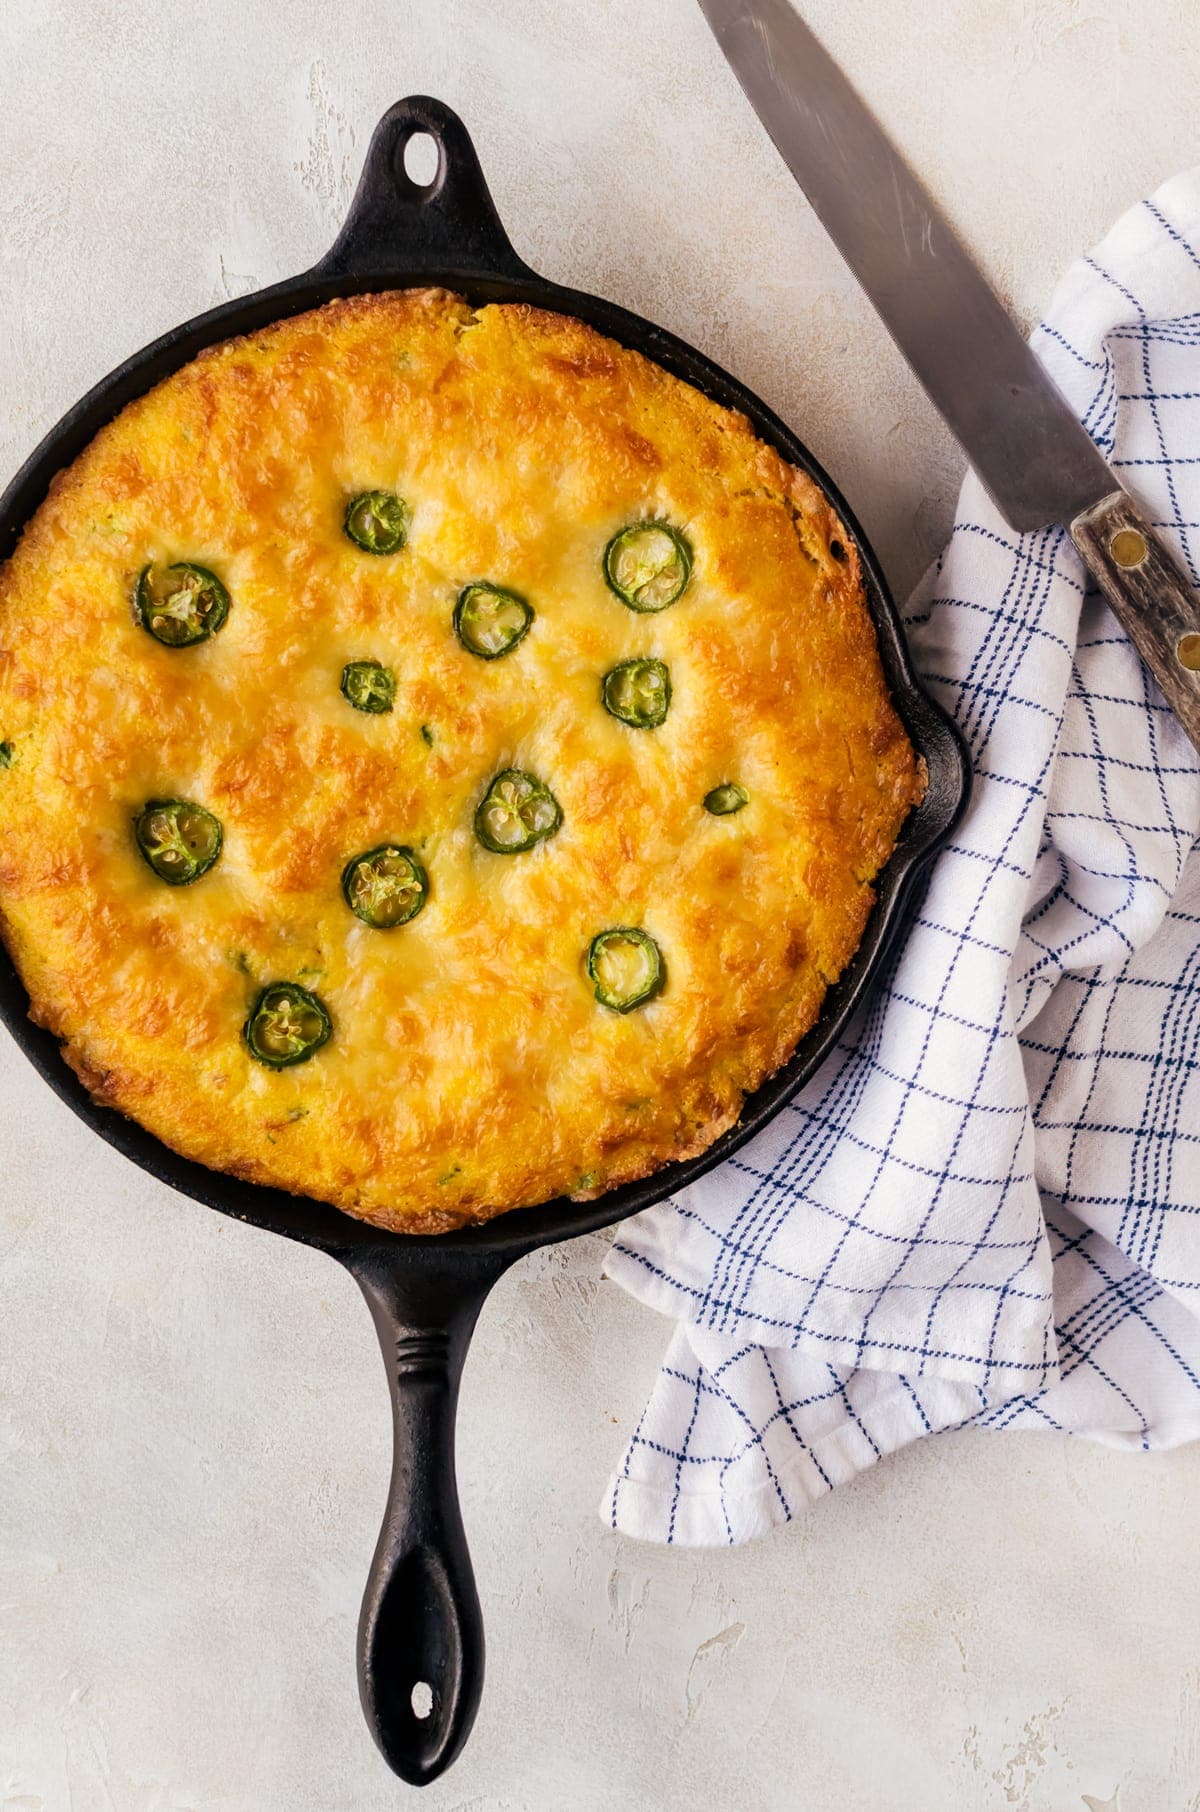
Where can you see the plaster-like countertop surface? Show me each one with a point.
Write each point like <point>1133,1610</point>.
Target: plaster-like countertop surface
<point>193,1423</point>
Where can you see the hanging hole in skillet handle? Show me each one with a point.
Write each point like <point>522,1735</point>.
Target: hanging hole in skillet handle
<point>422,160</point>
<point>422,210</point>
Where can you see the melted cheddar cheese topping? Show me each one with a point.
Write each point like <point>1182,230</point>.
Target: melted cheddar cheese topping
<point>471,1068</point>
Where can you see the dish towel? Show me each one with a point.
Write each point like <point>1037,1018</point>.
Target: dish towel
<point>986,1208</point>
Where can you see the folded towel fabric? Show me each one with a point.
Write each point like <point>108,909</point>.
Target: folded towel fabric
<point>986,1208</point>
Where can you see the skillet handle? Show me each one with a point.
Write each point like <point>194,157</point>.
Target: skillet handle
<point>397,228</point>
<point>420,1633</point>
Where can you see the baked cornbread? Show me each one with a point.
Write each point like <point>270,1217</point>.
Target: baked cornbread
<point>445,759</point>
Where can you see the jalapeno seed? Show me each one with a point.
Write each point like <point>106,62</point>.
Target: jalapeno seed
<point>178,839</point>
<point>489,621</point>
<point>638,692</point>
<point>516,812</point>
<point>625,966</point>
<point>726,798</point>
<point>286,1025</point>
<point>386,886</point>
<point>378,521</point>
<point>369,686</point>
<point>648,565</point>
<point>181,604</point>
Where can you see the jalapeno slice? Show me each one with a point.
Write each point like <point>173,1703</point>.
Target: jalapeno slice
<point>638,692</point>
<point>181,604</point>
<point>8,754</point>
<point>369,686</point>
<point>377,521</point>
<point>516,812</point>
<point>286,1025</point>
<point>489,621</point>
<point>648,565</point>
<point>625,966</point>
<point>386,886</point>
<point>726,798</point>
<point>178,839</point>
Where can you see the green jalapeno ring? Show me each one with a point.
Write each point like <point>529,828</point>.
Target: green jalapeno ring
<point>725,799</point>
<point>369,686</point>
<point>626,968</point>
<point>648,565</point>
<point>385,886</point>
<point>516,811</point>
<point>489,620</point>
<point>180,611</point>
<point>178,839</point>
<point>377,521</point>
<point>637,692</point>
<point>286,1025</point>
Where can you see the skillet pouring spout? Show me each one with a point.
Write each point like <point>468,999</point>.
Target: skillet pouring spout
<point>420,1633</point>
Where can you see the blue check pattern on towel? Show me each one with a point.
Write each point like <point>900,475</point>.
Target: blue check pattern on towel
<point>987,1206</point>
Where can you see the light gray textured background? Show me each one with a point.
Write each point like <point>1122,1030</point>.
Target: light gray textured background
<point>193,1423</point>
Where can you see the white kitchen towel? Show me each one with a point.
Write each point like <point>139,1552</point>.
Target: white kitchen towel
<point>987,1206</point>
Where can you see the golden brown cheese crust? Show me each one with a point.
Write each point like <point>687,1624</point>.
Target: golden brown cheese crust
<point>471,1070</point>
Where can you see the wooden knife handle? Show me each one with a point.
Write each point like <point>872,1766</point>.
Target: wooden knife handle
<point>1149,596</point>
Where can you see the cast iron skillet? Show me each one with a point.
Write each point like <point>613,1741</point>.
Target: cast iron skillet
<point>420,1619</point>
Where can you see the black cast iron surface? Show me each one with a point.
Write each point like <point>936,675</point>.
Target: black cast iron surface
<point>420,1619</point>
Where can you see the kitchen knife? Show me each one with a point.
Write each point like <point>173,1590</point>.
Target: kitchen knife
<point>1034,459</point>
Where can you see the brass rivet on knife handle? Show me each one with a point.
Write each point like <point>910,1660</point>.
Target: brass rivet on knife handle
<point>1128,547</point>
<point>1150,597</point>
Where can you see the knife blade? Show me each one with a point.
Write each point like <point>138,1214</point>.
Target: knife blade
<point>1029,450</point>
